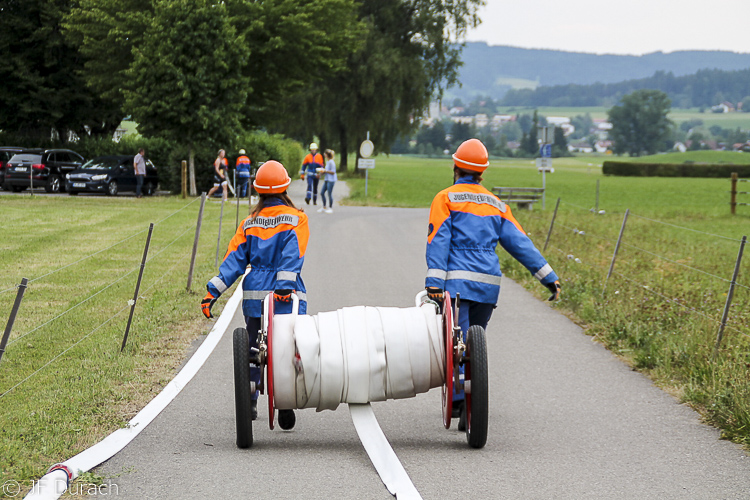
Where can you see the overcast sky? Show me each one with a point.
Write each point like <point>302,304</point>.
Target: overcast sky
<point>616,27</point>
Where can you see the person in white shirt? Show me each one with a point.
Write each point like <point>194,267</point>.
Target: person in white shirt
<point>330,180</point>
<point>139,165</point>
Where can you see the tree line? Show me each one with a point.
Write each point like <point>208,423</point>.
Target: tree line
<point>705,88</point>
<point>202,72</point>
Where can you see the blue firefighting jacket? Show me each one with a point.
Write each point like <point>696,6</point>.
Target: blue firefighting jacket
<point>466,224</point>
<point>243,166</point>
<point>273,244</point>
<point>312,163</point>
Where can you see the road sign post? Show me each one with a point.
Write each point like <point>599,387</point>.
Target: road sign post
<point>365,150</point>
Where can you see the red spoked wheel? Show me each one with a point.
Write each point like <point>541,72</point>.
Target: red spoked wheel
<point>269,363</point>
<point>449,354</point>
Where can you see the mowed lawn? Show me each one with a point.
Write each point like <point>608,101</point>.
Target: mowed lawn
<point>677,115</point>
<point>64,384</point>
<point>662,306</point>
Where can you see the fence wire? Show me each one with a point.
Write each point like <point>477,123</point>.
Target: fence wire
<point>685,228</point>
<point>624,243</point>
<point>104,249</point>
<point>45,365</point>
<point>100,291</point>
<point>668,299</point>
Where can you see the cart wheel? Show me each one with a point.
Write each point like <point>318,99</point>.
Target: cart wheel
<point>269,363</point>
<point>449,368</point>
<point>477,398</point>
<point>242,389</point>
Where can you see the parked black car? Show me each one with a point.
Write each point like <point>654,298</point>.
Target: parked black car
<point>41,168</point>
<point>110,175</point>
<point>6,153</point>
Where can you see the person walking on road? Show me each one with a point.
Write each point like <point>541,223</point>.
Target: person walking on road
<point>272,242</point>
<point>139,167</point>
<point>310,168</point>
<point>329,180</point>
<point>243,174</point>
<point>466,223</point>
<point>220,178</point>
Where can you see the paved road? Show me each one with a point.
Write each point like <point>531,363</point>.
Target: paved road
<point>568,420</point>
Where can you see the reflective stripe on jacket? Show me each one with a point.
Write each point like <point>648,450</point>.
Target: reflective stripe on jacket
<point>466,224</point>
<point>243,166</point>
<point>312,163</point>
<point>273,244</point>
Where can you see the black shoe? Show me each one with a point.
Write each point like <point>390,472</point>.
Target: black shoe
<point>254,409</point>
<point>307,200</point>
<point>315,202</point>
<point>462,419</point>
<point>457,406</point>
<point>287,419</point>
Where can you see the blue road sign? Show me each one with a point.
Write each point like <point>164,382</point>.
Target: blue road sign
<point>546,151</point>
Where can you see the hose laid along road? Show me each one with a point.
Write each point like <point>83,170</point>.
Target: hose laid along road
<point>567,419</point>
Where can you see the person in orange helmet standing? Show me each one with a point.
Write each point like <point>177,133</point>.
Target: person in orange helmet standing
<point>466,223</point>
<point>311,166</point>
<point>272,242</point>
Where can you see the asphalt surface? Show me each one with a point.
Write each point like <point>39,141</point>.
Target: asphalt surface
<point>567,419</point>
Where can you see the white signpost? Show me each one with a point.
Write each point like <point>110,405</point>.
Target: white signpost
<point>365,150</point>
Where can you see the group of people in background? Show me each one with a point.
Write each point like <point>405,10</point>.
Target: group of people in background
<point>314,166</point>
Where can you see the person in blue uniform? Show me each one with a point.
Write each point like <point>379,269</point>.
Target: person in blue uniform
<point>272,242</point>
<point>466,223</point>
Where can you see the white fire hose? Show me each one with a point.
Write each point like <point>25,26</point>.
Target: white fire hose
<point>358,355</point>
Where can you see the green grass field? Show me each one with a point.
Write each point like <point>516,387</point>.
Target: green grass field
<point>678,115</point>
<point>63,382</point>
<point>661,308</point>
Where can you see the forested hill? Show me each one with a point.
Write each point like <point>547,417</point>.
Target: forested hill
<point>493,70</point>
<point>702,89</point>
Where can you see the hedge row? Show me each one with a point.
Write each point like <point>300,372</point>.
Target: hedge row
<point>720,170</point>
<point>168,157</point>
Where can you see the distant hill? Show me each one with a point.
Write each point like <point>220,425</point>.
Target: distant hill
<point>493,70</point>
<point>705,88</point>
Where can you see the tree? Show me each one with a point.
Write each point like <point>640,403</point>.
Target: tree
<point>640,123</point>
<point>42,92</point>
<point>560,146</point>
<point>192,94</point>
<point>530,143</point>
<point>286,45</point>
<point>407,57</point>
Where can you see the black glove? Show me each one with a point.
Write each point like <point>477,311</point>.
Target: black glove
<point>284,295</point>
<point>435,293</point>
<point>556,290</point>
<point>206,304</point>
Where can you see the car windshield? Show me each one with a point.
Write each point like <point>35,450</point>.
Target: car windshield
<point>101,163</point>
<point>26,158</point>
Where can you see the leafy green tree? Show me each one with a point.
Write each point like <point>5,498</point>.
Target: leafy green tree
<point>512,131</point>
<point>640,123</point>
<point>286,45</point>
<point>42,91</point>
<point>185,88</point>
<point>408,56</point>
<point>105,32</point>
<point>461,132</point>
<point>560,145</point>
<point>530,142</point>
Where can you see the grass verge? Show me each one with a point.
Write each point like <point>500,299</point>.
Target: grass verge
<point>63,382</point>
